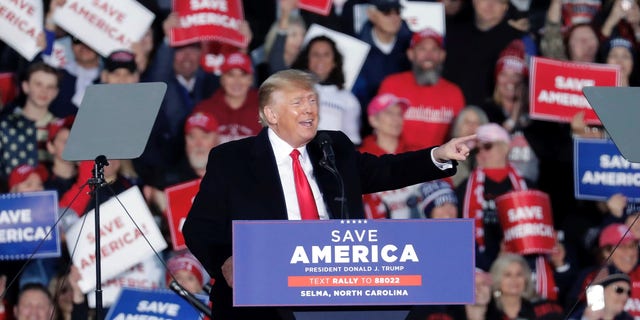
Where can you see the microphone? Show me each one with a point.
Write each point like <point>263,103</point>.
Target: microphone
<point>328,162</point>
<point>195,302</point>
<point>327,150</point>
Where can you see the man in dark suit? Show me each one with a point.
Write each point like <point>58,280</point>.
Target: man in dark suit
<point>253,179</point>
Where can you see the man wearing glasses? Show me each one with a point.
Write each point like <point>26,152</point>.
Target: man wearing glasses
<point>493,176</point>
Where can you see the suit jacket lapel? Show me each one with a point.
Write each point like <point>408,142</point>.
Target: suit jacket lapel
<point>264,168</point>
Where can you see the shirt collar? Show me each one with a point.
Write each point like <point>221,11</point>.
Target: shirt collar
<point>282,149</point>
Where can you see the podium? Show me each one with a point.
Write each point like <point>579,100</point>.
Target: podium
<point>353,269</point>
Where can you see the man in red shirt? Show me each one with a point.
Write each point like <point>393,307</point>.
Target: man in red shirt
<point>434,101</point>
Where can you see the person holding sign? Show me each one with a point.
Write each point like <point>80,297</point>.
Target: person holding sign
<point>508,107</point>
<point>201,135</point>
<point>253,179</point>
<point>284,40</point>
<point>493,176</point>
<point>79,73</point>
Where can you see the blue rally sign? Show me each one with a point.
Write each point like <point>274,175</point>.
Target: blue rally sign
<point>152,304</point>
<point>26,225</point>
<point>600,171</point>
<point>353,262</point>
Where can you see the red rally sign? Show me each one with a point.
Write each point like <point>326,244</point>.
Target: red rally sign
<point>208,20</point>
<point>316,6</point>
<point>556,88</point>
<point>179,201</point>
<point>527,221</point>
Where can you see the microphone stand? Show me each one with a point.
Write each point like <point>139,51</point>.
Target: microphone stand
<point>189,297</point>
<point>95,183</point>
<point>331,167</point>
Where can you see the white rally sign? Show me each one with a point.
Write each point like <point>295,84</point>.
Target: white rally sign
<point>20,25</point>
<point>105,25</point>
<point>422,15</point>
<point>122,245</point>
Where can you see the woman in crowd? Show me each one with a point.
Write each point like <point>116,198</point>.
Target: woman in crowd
<point>284,40</point>
<point>512,289</point>
<point>508,107</point>
<point>621,52</point>
<point>339,108</point>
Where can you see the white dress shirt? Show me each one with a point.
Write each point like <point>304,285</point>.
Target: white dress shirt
<point>282,151</point>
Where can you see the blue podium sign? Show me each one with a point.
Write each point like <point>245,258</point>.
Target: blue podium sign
<point>353,262</point>
<point>600,171</point>
<point>26,225</point>
<point>152,304</point>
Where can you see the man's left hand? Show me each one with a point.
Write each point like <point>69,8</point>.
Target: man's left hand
<point>455,149</point>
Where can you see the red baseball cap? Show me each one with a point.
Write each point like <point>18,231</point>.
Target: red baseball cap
<point>237,60</point>
<point>203,120</point>
<point>54,127</point>
<point>427,33</point>
<point>22,172</point>
<point>614,233</point>
<point>385,100</point>
<point>187,262</point>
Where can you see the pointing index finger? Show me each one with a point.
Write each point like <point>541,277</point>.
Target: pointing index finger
<point>467,138</point>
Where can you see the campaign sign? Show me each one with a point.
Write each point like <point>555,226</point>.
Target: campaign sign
<point>148,274</point>
<point>422,15</point>
<point>204,20</point>
<point>179,201</point>
<point>21,22</point>
<point>600,171</point>
<point>527,221</point>
<point>122,244</point>
<point>322,7</point>
<point>555,93</point>
<point>151,304</point>
<point>105,25</point>
<point>353,262</point>
<point>26,225</point>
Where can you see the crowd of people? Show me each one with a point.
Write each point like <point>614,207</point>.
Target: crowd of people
<point>414,90</point>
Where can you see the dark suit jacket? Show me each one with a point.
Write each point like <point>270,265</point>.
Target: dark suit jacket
<point>242,183</point>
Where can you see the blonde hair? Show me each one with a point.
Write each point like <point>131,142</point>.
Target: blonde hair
<point>497,274</point>
<point>279,81</point>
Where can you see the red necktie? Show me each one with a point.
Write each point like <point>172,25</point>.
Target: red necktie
<point>306,202</point>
